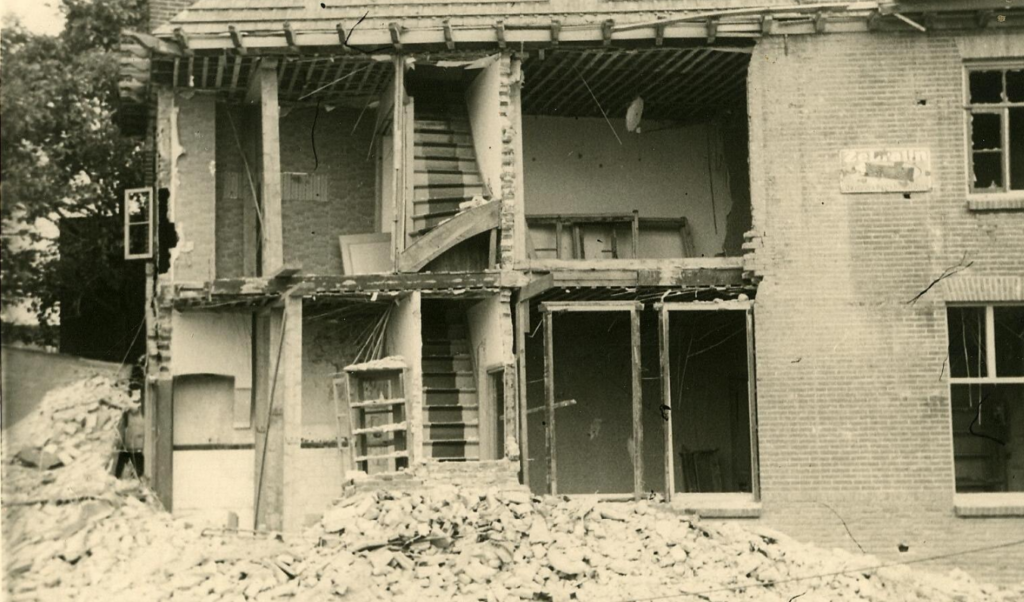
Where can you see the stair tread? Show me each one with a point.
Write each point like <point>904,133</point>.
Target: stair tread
<point>450,441</point>
<point>455,423</point>
<point>471,406</point>
<point>450,389</point>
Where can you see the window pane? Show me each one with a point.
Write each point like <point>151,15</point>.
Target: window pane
<point>988,171</point>
<point>986,131</point>
<point>1017,149</point>
<point>986,86</point>
<point>138,239</point>
<point>1009,323</point>
<point>966,341</point>
<point>1015,85</point>
<point>988,437</point>
<point>138,206</point>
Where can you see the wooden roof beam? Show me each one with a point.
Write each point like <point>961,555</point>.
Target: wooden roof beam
<point>289,37</point>
<point>712,29</point>
<point>499,29</point>
<point>659,34</point>
<point>182,39</point>
<point>396,35</point>
<point>556,31</point>
<point>606,31</point>
<point>449,38</point>
<point>236,39</point>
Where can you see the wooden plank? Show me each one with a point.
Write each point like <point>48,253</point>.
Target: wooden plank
<point>397,152</point>
<point>666,401</point>
<point>635,233</point>
<point>163,464</point>
<point>558,238</point>
<point>270,166</point>
<point>580,306</point>
<point>638,406</point>
<point>218,80</point>
<point>720,305</point>
<point>461,227</point>
<point>378,403</point>
<point>537,286</point>
<point>292,482</point>
<point>755,473</point>
<point>522,331</point>
<point>549,400</point>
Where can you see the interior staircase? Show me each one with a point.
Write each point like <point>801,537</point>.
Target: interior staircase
<point>451,406</point>
<point>446,171</point>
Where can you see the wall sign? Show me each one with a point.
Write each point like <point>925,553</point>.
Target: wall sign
<point>885,170</point>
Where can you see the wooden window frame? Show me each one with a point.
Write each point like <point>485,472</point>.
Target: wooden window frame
<point>128,255</point>
<point>1003,110</point>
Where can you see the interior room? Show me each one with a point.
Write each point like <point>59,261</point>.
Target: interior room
<point>636,153</point>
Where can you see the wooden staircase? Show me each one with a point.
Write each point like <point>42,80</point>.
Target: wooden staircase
<point>451,419</point>
<point>446,171</point>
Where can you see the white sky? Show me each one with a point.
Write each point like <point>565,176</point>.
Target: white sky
<point>39,16</point>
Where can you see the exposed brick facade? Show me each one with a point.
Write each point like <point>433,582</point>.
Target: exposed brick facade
<point>853,398</point>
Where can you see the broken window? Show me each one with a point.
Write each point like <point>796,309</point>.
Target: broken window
<point>986,361</point>
<point>995,106</point>
<point>138,223</point>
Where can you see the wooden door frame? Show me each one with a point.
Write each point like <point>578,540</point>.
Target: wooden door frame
<point>664,311</point>
<point>549,309</point>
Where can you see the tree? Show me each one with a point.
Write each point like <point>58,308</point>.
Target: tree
<point>63,156</point>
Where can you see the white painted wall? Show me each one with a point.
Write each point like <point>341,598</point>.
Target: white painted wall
<point>210,484</point>
<point>574,165</point>
<point>485,122</point>
<point>489,349</point>
<point>212,343</point>
<point>404,338</point>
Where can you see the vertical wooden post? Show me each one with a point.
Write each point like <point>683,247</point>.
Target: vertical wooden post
<point>398,231</point>
<point>638,408</point>
<point>666,400</point>
<point>755,474</point>
<point>265,84</point>
<point>549,400</point>
<point>270,421</point>
<point>522,331</point>
<point>635,231</point>
<point>163,461</point>
<point>290,387</point>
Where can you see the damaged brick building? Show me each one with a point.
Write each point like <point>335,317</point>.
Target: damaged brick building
<point>764,259</point>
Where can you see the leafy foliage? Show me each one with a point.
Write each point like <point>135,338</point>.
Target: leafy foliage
<point>63,155</point>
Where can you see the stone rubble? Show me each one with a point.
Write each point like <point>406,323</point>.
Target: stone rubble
<point>74,532</point>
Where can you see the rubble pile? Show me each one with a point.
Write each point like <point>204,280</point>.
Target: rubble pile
<point>74,532</point>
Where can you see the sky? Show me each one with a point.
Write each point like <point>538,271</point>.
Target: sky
<point>39,16</point>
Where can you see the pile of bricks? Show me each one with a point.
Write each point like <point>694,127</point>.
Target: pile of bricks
<point>73,532</point>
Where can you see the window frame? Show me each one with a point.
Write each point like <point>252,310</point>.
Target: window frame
<point>1002,109</point>
<point>128,224</point>
<point>982,504</point>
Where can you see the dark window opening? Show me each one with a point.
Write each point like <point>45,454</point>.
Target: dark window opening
<point>996,108</point>
<point>967,354</point>
<point>1009,338</point>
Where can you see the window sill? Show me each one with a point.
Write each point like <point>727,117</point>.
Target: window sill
<point>986,505</point>
<point>717,505</point>
<point>1000,202</point>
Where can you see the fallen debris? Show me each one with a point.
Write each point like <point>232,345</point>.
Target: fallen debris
<point>74,532</point>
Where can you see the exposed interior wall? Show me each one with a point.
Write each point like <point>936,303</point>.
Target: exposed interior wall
<point>491,349</point>
<point>207,342</point>
<point>194,187</point>
<point>236,204</point>
<point>485,123</point>
<point>213,460</point>
<point>404,339</point>
<point>576,166</point>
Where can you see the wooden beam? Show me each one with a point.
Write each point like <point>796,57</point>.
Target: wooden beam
<point>556,31</point>
<point>549,401</point>
<point>270,166</point>
<point>462,226</point>
<point>767,25</point>
<point>752,405</point>
<point>289,37</point>
<point>666,401</point>
<point>983,18</point>
<point>522,332</point>
<point>155,44</point>
<point>819,22</point>
<point>449,39</point>
<point>537,286</point>
<point>179,35</point>
<point>161,467</point>
<point>606,31</point>
<point>291,392</point>
<point>638,405</point>
<point>499,31</point>
<point>218,79</point>
<point>587,306</point>
<point>396,35</point>
<point>236,40</point>
<point>342,39</point>
<point>659,34</point>
<point>712,28</point>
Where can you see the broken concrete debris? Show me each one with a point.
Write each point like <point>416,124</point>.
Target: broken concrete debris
<point>74,532</point>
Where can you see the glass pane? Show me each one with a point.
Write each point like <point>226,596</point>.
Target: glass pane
<point>986,86</point>
<point>988,437</point>
<point>988,171</point>
<point>1017,149</point>
<point>966,341</point>
<point>1015,86</point>
<point>986,131</point>
<point>1009,324</point>
<point>137,206</point>
<point>138,239</point>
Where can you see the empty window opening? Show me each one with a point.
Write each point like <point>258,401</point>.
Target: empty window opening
<point>632,154</point>
<point>996,113</point>
<point>711,424</point>
<point>986,363</point>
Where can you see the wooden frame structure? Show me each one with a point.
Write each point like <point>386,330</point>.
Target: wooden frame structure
<point>664,311</point>
<point>549,310</point>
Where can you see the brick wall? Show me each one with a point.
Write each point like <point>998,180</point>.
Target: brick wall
<point>193,196</point>
<point>853,401</point>
<point>312,227</point>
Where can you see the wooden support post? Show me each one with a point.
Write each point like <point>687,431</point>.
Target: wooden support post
<point>549,400</point>
<point>397,152</point>
<point>666,401</point>
<point>289,387</point>
<point>269,466</point>
<point>522,331</point>
<point>755,474</point>
<point>635,225</point>
<point>263,88</point>
<point>638,407</point>
<point>558,239</point>
<point>163,442</point>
